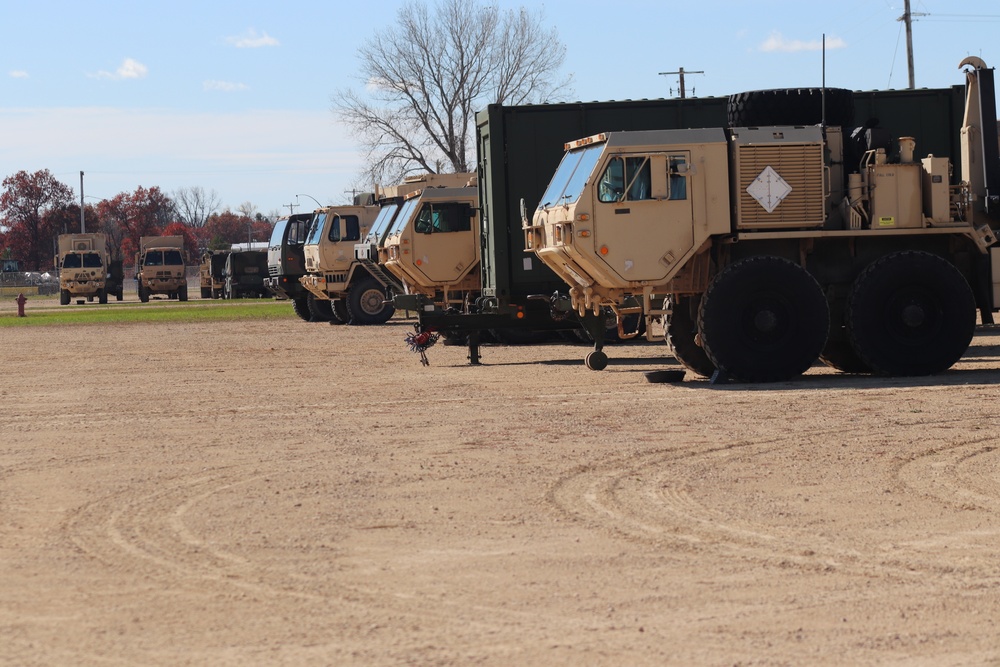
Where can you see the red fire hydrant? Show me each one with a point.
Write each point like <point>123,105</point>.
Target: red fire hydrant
<point>20,301</point>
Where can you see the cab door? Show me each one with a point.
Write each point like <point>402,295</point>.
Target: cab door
<point>643,214</point>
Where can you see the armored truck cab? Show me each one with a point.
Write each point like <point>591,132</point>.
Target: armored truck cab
<point>331,269</point>
<point>433,248</point>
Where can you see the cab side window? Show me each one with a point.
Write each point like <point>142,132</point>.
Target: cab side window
<point>345,228</point>
<point>625,179</point>
<point>677,168</point>
<point>444,218</point>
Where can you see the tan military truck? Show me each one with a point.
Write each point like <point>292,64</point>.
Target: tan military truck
<point>344,286</point>
<point>210,276</point>
<point>331,268</point>
<point>86,268</point>
<point>160,267</point>
<point>767,248</point>
<point>433,248</point>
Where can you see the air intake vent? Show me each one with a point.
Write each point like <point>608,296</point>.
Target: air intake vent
<point>798,201</point>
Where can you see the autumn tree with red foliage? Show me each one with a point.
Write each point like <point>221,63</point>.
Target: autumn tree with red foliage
<point>226,228</point>
<point>25,203</point>
<point>127,217</point>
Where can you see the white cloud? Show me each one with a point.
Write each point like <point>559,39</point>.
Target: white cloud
<point>251,40</point>
<point>776,42</point>
<point>225,86</point>
<point>129,69</point>
<point>18,74</point>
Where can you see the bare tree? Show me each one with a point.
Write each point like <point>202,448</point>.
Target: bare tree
<point>247,210</point>
<point>427,77</point>
<point>194,205</point>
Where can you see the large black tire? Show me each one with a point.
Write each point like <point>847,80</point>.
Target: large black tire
<point>790,106</point>
<point>763,319</point>
<point>911,313</point>
<point>301,308</point>
<point>182,293</point>
<point>206,292</point>
<point>102,295</point>
<point>143,294</point>
<point>340,313</point>
<point>366,302</point>
<point>63,297</point>
<point>681,335</point>
<point>319,309</point>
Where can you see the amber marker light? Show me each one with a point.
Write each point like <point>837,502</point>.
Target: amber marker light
<point>604,250</point>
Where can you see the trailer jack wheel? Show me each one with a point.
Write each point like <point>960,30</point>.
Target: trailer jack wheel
<point>596,360</point>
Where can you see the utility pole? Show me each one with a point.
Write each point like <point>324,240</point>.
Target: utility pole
<point>291,208</point>
<point>83,225</point>
<point>907,19</point>
<point>681,71</point>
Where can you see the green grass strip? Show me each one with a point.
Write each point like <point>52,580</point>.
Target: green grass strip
<point>154,311</point>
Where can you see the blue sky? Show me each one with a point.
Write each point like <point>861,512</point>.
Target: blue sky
<point>235,97</point>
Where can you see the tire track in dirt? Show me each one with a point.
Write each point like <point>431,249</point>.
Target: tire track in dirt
<point>149,534</point>
<point>662,498</point>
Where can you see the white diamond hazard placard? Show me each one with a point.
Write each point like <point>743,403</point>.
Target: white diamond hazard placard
<point>769,188</point>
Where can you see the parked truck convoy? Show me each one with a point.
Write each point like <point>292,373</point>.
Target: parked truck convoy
<point>514,164</point>
<point>86,268</point>
<point>160,267</point>
<point>765,248</point>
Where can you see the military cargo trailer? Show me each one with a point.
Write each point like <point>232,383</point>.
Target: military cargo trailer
<point>520,146</point>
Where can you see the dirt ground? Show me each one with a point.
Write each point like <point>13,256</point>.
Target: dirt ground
<point>284,493</point>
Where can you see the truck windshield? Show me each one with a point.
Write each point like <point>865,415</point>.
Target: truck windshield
<point>163,257</point>
<point>404,216</point>
<point>381,223</point>
<point>71,261</point>
<point>92,260</point>
<point>568,181</point>
<point>316,231</point>
<point>279,232</point>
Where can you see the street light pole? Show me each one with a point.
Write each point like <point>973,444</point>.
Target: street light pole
<point>310,197</point>
<point>83,224</point>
